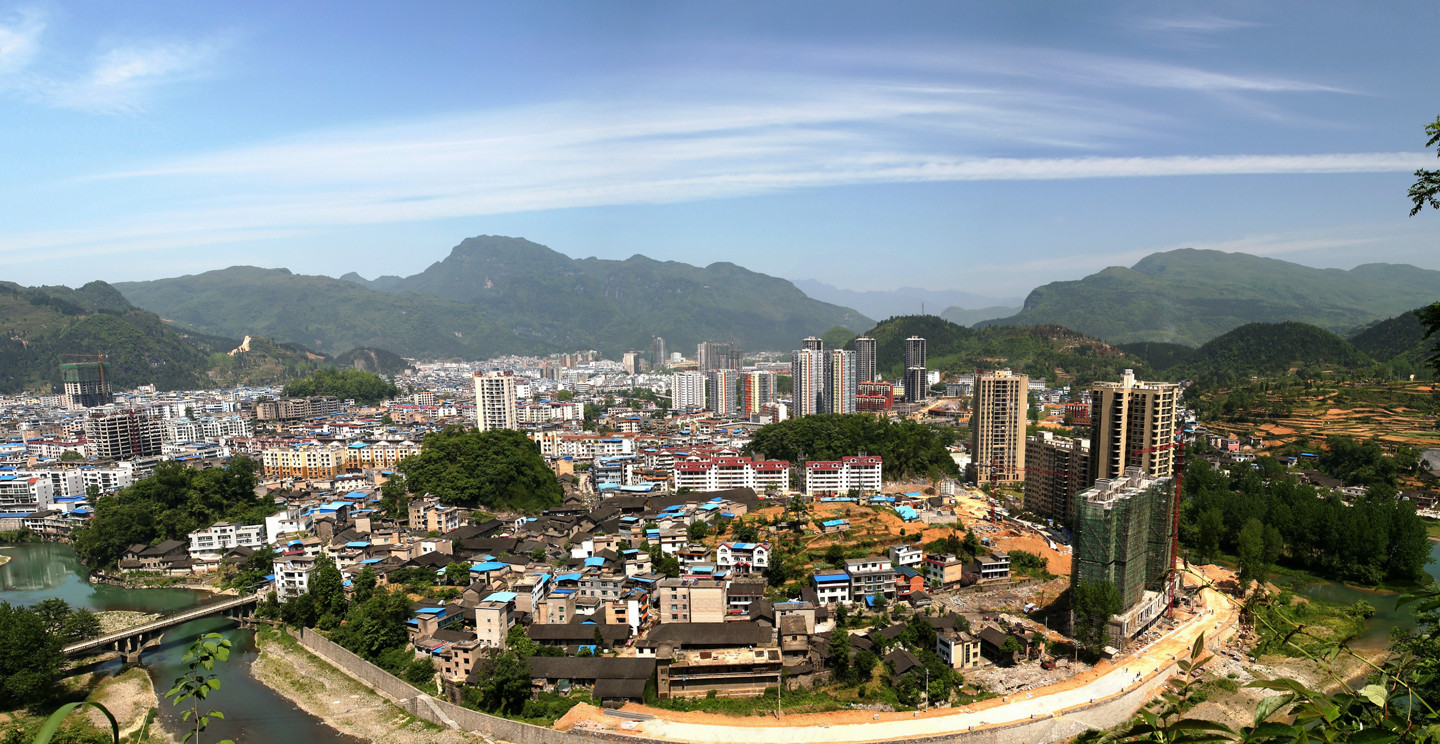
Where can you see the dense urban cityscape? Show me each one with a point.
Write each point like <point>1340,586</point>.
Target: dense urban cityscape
<point>931,373</point>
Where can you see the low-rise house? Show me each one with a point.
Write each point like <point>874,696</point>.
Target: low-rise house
<point>292,576</point>
<point>993,567</point>
<point>743,557</point>
<point>870,577</point>
<point>832,587</point>
<point>210,544</point>
<point>729,672</point>
<point>168,556</point>
<point>943,571</point>
<point>958,649</point>
<point>905,555</point>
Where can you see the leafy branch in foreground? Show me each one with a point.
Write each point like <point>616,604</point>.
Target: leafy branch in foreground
<point>1393,706</point>
<point>195,684</point>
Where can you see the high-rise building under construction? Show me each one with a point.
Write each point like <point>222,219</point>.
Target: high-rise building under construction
<point>85,384</point>
<point>1123,537</point>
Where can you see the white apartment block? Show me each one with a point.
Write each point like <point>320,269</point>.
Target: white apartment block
<point>25,493</point>
<point>722,473</point>
<point>109,478</point>
<point>210,544</point>
<point>495,401</point>
<point>206,429</point>
<point>292,577</point>
<point>687,390</point>
<point>63,482</point>
<point>545,412</point>
<point>839,477</point>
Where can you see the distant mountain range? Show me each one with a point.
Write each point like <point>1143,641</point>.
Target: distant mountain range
<point>493,296</point>
<point>1191,296</point>
<point>949,304</point>
<point>47,326</point>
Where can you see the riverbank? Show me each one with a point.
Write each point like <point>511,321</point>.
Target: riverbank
<point>128,696</point>
<point>113,620</point>
<point>335,698</point>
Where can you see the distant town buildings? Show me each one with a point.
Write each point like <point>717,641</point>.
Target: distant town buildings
<point>997,426</point>
<point>874,396</point>
<point>712,355</point>
<point>915,375</point>
<point>864,359</point>
<point>1132,424</point>
<point>807,374</point>
<point>125,434</point>
<point>495,401</point>
<point>659,356</point>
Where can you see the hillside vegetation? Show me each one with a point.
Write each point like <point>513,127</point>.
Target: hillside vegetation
<point>493,470</point>
<point>46,326</point>
<point>1191,296</point>
<point>327,315</point>
<point>495,295</point>
<point>1269,349</point>
<point>365,388</point>
<point>909,448</point>
<point>1056,354</point>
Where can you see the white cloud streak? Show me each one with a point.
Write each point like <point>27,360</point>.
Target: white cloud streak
<point>116,79</point>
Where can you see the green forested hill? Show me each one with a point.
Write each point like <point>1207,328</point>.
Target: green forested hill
<point>1191,296</point>
<point>42,326</point>
<point>378,361</point>
<point>493,296</point>
<point>327,315</point>
<point>1051,352</point>
<point>618,305</point>
<point>1159,355</point>
<point>1399,342</point>
<point>1264,349</point>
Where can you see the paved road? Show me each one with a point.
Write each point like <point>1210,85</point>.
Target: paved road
<point>1142,669</point>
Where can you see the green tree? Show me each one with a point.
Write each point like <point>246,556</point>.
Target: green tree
<point>1009,648</point>
<point>364,586</point>
<point>504,683</point>
<point>971,547</point>
<point>366,388</point>
<point>839,660</point>
<point>1426,190</point>
<point>698,530</point>
<point>499,469</point>
<point>458,574</point>
<point>173,502</point>
<point>1093,603</point>
<point>395,498</point>
<point>1252,553</point>
<point>376,625</point>
<point>196,683</point>
<point>29,658</point>
<point>327,587</point>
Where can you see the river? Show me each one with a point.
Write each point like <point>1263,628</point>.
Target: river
<point>253,712</point>
<point>1387,615</point>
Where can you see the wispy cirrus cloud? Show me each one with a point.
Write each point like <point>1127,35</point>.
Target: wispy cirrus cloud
<point>117,78</point>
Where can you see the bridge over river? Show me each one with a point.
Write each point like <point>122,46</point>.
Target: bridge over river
<point>131,641</point>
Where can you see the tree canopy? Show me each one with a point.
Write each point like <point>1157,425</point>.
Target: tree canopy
<point>366,388</point>
<point>173,502</point>
<point>497,469</point>
<point>908,448</point>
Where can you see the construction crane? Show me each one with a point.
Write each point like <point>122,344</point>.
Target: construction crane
<point>1178,472</point>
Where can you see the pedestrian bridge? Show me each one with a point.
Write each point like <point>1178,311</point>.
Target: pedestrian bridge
<point>131,641</point>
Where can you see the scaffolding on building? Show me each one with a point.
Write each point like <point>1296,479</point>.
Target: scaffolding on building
<point>1122,534</point>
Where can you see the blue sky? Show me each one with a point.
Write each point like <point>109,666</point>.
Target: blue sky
<point>985,147</point>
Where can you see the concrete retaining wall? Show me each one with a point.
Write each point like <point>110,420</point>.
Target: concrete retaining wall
<point>1067,724</point>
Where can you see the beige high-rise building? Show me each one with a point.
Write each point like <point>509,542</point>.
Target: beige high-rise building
<point>997,426</point>
<point>1059,468</point>
<point>495,401</point>
<point>1129,419</point>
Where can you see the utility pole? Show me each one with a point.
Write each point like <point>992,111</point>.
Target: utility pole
<point>927,688</point>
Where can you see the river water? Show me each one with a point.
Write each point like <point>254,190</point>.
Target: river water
<point>1387,615</point>
<point>254,714</point>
